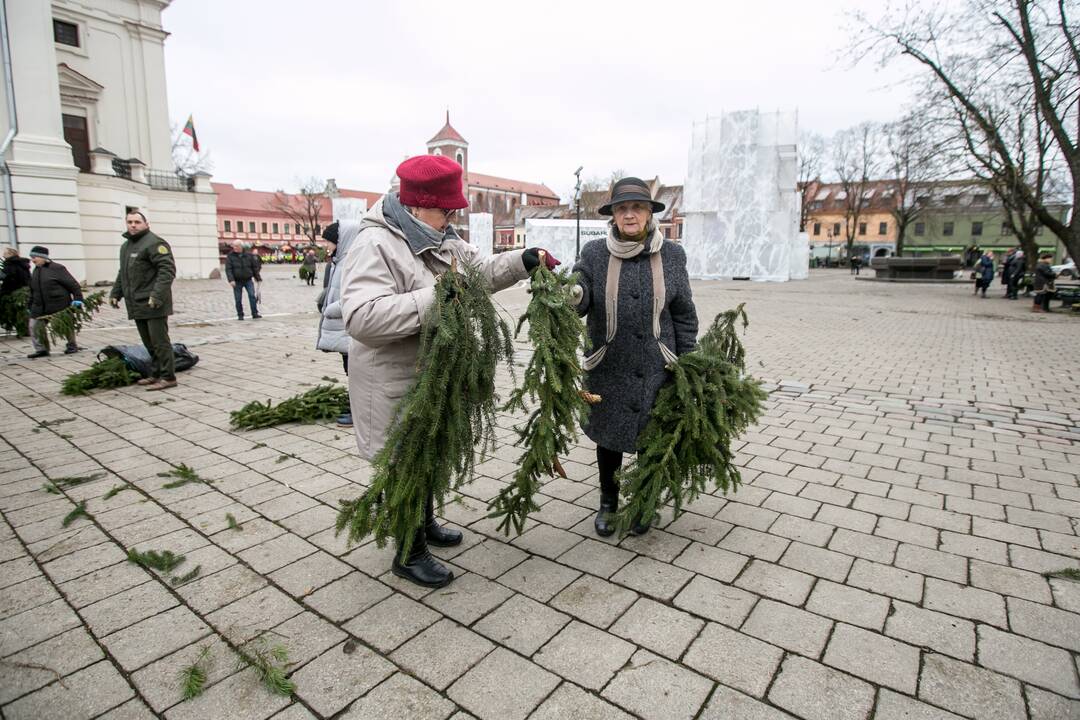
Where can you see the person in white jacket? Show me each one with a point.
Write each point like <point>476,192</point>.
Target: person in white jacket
<point>332,335</point>
<point>387,288</point>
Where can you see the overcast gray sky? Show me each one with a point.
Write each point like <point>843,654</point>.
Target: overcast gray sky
<point>283,90</point>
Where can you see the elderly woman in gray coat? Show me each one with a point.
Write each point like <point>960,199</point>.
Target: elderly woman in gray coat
<point>332,334</point>
<point>635,294</point>
<point>387,290</point>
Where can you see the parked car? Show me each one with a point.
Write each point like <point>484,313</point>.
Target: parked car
<point>1066,270</point>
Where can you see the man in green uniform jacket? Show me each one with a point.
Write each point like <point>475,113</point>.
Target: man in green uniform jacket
<point>144,282</point>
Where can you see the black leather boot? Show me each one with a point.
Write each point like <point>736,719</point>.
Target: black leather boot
<point>605,518</point>
<point>420,567</point>
<point>436,534</point>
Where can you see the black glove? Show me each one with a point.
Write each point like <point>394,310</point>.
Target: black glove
<point>531,259</point>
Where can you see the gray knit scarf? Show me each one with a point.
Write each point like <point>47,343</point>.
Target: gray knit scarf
<point>419,234</point>
<point>626,249</point>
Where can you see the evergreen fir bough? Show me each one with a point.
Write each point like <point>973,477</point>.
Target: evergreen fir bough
<point>699,411</point>
<point>552,380</point>
<point>15,312</point>
<point>445,417</point>
<point>324,402</point>
<point>108,373</point>
<point>69,321</point>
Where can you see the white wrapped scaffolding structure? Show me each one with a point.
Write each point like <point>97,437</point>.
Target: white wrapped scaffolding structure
<point>482,233</point>
<point>740,200</point>
<point>560,236</point>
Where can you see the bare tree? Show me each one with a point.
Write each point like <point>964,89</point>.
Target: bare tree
<point>983,58</point>
<point>811,164</point>
<point>303,208</point>
<point>910,152</point>
<point>856,160</point>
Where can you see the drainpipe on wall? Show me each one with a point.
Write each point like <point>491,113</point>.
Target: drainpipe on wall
<point>13,128</point>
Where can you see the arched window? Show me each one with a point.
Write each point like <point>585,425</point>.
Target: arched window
<point>436,151</point>
<point>461,158</point>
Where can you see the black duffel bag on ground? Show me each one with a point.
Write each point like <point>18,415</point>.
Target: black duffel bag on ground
<point>138,359</point>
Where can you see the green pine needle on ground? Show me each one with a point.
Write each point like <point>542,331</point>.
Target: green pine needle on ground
<point>324,402</point>
<point>78,512</point>
<point>187,577</point>
<point>704,405</point>
<point>1065,574</point>
<point>270,663</point>
<point>114,491</point>
<point>231,520</point>
<point>165,561</point>
<point>66,482</point>
<point>183,475</point>
<point>445,419</point>
<point>193,677</point>
<point>551,384</point>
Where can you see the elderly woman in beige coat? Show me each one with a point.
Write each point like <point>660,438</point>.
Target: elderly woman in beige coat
<point>387,288</point>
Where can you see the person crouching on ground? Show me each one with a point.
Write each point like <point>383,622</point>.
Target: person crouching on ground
<point>1044,283</point>
<point>387,290</point>
<point>633,338</point>
<point>51,290</point>
<point>242,270</point>
<point>332,334</point>
<point>144,283</point>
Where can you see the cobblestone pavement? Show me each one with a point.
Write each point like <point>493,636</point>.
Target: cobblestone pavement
<point>910,486</point>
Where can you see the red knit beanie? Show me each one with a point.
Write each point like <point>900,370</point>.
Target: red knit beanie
<point>431,181</point>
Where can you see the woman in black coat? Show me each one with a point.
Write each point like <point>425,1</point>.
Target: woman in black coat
<point>635,293</point>
<point>16,272</point>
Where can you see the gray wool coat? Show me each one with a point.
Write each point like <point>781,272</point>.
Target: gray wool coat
<point>633,368</point>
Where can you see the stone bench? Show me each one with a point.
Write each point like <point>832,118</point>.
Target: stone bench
<point>917,269</point>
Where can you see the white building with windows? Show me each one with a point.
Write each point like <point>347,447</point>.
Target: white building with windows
<point>85,127</point>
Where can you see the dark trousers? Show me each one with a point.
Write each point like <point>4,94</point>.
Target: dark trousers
<point>238,294</point>
<point>1013,287</point>
<point>608,462</point>
<point>1043,299</point>
<point>345,362</point>
<point>155,337</point>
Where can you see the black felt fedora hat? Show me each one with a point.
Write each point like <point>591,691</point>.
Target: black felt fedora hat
<point>627,190</point>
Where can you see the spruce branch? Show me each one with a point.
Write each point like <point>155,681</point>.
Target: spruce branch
<point>78,512</point>
<point>552,386</point>
<point>164,561</point>
<point>15,312</point>
<point>445,417</point>
<point>64,323</point>
<point>103,374</point>
<point>114,491</point>
<point>183,475</point>
<point>231,520</point>
<point>1064,574</point>
<point>269,662</point>
<point>193,677</point>
<point>703,406</point>
<point>324,402</point>
<point>178,580</point>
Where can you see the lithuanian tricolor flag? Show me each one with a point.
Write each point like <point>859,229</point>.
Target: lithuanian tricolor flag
<point>189,129</point>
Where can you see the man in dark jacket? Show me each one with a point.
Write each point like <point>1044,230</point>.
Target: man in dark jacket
<point>144,283</point>
<point>1015,267</point>
<point>243,269</point>
<point>51,290</point>
<point>1044,283</point>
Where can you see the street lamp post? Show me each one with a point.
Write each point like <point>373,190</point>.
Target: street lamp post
<point>577,208</point>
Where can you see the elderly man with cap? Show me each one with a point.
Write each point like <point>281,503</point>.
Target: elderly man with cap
<point>52,288</point>
<point>243,270</point>
<point>634,290</point>
<point>387,289</point>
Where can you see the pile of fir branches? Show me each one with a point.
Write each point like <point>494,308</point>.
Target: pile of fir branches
<point>704,405</point>
<point>324,402</point>
<point>15,312</point>
<point>64,323</point>
<point>107,373</point>
<point>552,381</point>
<point>447,414</point>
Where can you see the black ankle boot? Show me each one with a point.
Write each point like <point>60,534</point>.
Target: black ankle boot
<point>420,567</point>
<point>436,534</point>
<point>605,518</point>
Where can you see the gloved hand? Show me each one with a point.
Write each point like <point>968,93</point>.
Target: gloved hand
<point>76,303</point>
<point>531,259</point>
<point>114,302</point>
<point>153,302</point>
<point>576,293</point>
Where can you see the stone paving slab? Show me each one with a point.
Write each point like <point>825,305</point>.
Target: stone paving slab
<point>911,485</point>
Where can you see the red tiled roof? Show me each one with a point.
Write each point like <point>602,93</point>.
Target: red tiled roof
<point>517,186</point>
<point>371,197</point>
<point>236,200</point>
<point>447,133</point>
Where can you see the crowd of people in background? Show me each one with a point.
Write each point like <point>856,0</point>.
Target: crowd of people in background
<point>1012,270</point>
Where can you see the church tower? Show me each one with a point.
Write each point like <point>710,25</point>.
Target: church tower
<point>449,142</point>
